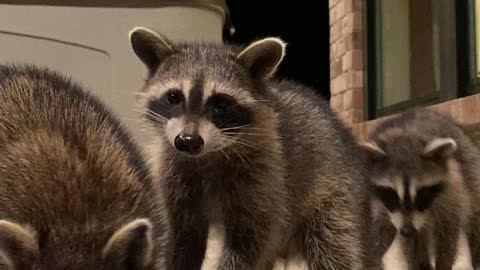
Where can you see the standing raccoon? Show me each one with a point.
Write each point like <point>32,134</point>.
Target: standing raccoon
<point>425,175</point>
<point>265,161</point>
<point>75,191</point>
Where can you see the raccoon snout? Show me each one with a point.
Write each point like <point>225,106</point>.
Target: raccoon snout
<point>189,143</point>
<point>408,230</point>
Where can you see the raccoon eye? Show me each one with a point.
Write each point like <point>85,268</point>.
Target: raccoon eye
<point>426,195</point>
<point>224,111</point>
<point>220,105</point>
<point>174,97</point>
<point>388,197</point>
<point>219,108</point>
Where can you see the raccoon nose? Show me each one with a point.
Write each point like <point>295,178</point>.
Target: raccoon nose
<point>189,143</point>
<point>407,230</point>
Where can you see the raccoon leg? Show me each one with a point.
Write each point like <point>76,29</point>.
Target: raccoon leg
<point>474,240</point>
<point>446,246</point>
<point>395,257</point>
<point>246,236</point>
<point>190,233</point>
<point>332,241</point>
<point>464,257</point>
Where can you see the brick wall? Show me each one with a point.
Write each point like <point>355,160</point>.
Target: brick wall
<point>346,59</point>
<point>347,87</point>
<point>465,111</point>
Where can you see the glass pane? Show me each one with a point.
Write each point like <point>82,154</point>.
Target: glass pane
<point>407,51</point>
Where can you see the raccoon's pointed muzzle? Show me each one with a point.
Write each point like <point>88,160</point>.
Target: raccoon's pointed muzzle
<point>407,230</point>
<point>189,143</point>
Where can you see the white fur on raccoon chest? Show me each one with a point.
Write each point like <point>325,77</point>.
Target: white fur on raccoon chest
<point>215,244</point>
<point>395,259</point>
<point>216,232</point>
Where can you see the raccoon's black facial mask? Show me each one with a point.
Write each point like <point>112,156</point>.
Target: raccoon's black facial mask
<point>225,112</point>
<point>388,196</point>
<point>423,199</point>
<point>426,195</point>
<point>168,106</point>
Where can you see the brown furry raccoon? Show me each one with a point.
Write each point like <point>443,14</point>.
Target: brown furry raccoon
<point>266,161</point>
<point>75,192</point>
<point>425,175</point>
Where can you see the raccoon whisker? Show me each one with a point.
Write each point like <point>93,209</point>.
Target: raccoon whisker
<point>262,100</point>
<point>158,120</point>
<point>139,111</point>
<point>224,153</point>
<point>247,144</point>
<point>245,128</point>
<point>237,153</point>
<point>156,114</point>
<point>244,133</point>
<point>131,119</point>
<point>244,156</point>
<point>233,128</point>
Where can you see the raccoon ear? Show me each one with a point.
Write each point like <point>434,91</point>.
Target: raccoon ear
<point>440,148</point>
<point>132,244</point>
<point>263,57</point>
<point>18,244</point>
<point>373,151</point>
<point>150,47</point>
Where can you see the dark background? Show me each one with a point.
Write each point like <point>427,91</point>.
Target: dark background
<point>303,25</point>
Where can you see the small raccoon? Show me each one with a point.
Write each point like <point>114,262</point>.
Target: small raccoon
<point>425,179</point>
<point>75,192</point>
<point>266,161</point>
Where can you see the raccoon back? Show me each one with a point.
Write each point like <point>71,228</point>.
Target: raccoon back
<point>68,169</point>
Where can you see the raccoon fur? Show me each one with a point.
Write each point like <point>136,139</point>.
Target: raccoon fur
<point>75,192</point>
<point>264,160</point>
<point>425,180</point>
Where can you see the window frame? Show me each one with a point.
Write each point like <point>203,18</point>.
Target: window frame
<point>447,53</point>
<point>468,49</point>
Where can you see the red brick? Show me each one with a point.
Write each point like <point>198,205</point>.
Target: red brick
<point>336,67</point>
<point>357,98</point>
<point>348,6</point>
<point>337,12</point>
<point>357,115</point>
<point>352,22</point>
<point>455,110</point>
<point>353,5</point>
<point>336,102</point>
<point>352,116</point>
<point>354,41</point>
<point>332,3</point>
<point>337,49</point>
<point>352,60</point>
<point>335,32</point>
<point>338,84</point>
<point>358,5</point>
<point>354,79</point>
<point>442,108</point>
<point>348,100</point>
<point>471,110</point>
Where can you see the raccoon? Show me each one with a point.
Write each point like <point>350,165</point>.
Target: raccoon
<point>75,190</point>
<point>425,179</point>
<point>266,161</point>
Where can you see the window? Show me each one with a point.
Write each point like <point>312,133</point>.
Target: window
<point>468,32</point>
<point>411,54</point>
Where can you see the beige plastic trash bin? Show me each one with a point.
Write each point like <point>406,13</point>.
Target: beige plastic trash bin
<point>89,39</point>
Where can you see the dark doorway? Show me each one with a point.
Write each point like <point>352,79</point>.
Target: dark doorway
<point>304,25</point>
